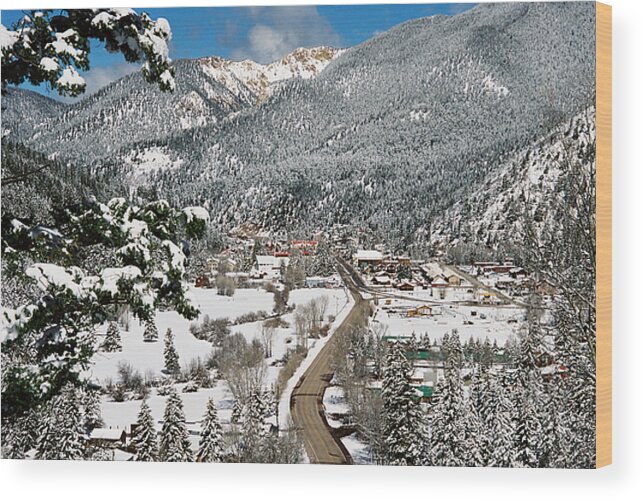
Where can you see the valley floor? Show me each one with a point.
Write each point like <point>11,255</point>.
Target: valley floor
<point>148,357</point>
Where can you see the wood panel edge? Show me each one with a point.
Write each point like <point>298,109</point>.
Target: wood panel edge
<point>603,234</point>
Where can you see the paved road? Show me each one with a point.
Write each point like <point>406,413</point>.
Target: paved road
<point>306,402</point>
<point>473,280</point>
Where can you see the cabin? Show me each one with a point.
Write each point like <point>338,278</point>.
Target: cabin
<point>382,279</point>
<point>202,281</point>
<point>366,258</point>
<point>518,273</point>
<point>406,286</point>
<point>486,297</point>
<point>106,437</point>
<point>439,282</point>
<point>403,260</point>
<point>265,263</point>
<point>424,392</point>
<point>420,311</point>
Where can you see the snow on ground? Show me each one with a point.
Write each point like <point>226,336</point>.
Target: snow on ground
<point>148,356</point>
<point>313,351</point>
<point>123,415</point>
<point>500,322</point>
<point>359,451</point>
<point>335,405</point>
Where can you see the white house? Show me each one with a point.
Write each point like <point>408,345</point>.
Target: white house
<point>269,266</point>
<point>368,257</point>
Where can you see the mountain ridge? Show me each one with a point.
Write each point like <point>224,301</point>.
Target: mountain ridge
<point>385,139</point>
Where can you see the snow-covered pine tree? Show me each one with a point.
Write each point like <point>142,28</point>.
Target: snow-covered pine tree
<point>62,436</point>
<point>20,436</point>
<point>528,398</point>
<point>74,295</point>
<point>144,439</point>
<point>474,435</point>
<point>563,252</point>
<point>211,445</point>
<point>405,425</point>
<point>150,334</point>
<point>501,429</point>
<point>174,444</point>
<point>91,405</point>
<point>446,414</point>
<point>172,365</point>
<point>34,38</point>
<point>237,412</point>
<point>112,342</point>
<point>253,429</point>
<point>557,446</point>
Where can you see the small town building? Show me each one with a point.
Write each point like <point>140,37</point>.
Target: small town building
<point>366,258</point>
<point>518,273</point>
<point>421,311</point>
<point>106,437</point>
<point>403,260</point>
<point>406,286</point>
<point>439,282</point>
<point>202,281</point>
<point>316,282</point>
<point>382,279</point>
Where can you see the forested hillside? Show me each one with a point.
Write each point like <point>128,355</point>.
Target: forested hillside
<point>384,136</point>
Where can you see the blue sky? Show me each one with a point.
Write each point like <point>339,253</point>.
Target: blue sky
<point>263,34</point>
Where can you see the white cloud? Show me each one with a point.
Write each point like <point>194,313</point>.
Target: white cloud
<point>279,30</point>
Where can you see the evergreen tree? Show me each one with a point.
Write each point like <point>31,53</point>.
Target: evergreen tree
<point>171,357</point>
<point>174,442</point>
<point>20,436</point>
<point>501,430</point>
<point>404,426</point>
<point>447,425</point>
<point>92,413</point>
<point>112,342</point>
<point>528,394</point>
<point>211,446</point>
<point>557,436</point>
<point>474,437</point>
<point>150,334</point>
<point>237,412</point>
<point>253,428</point>
<point>144,439</point>
<point>62,436</point>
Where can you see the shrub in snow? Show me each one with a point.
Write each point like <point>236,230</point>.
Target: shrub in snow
<point>170,355</point>
<point>150,334</point>
<point>191,386</point>
<point>112,342</point>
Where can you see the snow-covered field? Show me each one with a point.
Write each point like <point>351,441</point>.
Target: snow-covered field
<point>499,323</point>
<point>145,356</point>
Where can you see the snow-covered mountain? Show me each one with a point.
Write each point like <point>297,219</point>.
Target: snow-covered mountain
<point>261,79</point>
<point>129,110</point>
<point>386,136</point>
